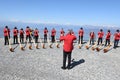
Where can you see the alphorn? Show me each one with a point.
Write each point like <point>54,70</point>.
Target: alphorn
<point>99,47</point>
<point>57,44</point>
<point>106,49</point>
<point>36,45</point>
<point>42,44</point>
<point>10,47</point>
<point>50,45</point>
<point>21,47</point>
<point>79,45</point>
<point>88,44</point>
<point>94,46</point>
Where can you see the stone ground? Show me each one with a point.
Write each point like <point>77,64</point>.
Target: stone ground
<point>45,64</point>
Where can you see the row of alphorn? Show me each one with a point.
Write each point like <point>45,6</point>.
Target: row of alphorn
<point>35,44</point>
<point>100,47</point>
<point>87,46</point>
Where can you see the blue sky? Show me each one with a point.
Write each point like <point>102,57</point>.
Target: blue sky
<point>76,12</point>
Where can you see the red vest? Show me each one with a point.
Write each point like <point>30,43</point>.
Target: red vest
<point>27,32</point>
<point>15,32</point>
<point>36,32</point>
<point>5,32</point>
<point>53,32</point>
<point>108,35</point>
<point>68,42</point>
<point>116,36</point>
<point>45,31</point>
<point>100,34</point>
<point>92,35</point>
<point>21,32</point>
<point>81,32</point>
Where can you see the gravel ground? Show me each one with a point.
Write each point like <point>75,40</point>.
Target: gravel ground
<point>45,64</point>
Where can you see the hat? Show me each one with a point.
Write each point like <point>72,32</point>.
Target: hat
<point>108,30</point>
<point>101,30</point>
<point>6,26</point>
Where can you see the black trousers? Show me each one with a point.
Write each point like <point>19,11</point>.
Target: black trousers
<point>92,41</point>
<point>45,38</point>
<point>36,39</point>
<point>65,55</point>
<point>21,38</point>
<point>15,39</point>
<point>116,43</point>
<point>100,40</point>
<point>53,39</point>
<point>107,42</point>
<point>6,40</point>
<point>80,38</point>
<point>28,37</point>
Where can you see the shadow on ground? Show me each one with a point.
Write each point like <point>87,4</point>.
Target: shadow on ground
<point>76,63</point>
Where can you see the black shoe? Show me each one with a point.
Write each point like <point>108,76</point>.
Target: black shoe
<point>68,67</point>
<point>63,68</point>
<point>114,47</point>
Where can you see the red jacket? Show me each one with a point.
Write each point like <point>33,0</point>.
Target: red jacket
<point>119,35</point>
<point>6,32</point>
<point>92,35</point>
<point>27,32</point>
<point>36,32</point>
<point>15,32</point>
<point>68,42</point>
<point>53,32</point>
<point>81,32</point>
<point>21,32</point>
<point>116,36</point>
<point>100,34</point>
<point>45,31</point>
<point>108,35</point>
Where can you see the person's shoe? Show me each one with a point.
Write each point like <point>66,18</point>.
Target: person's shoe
<point>63,68</point>
<point>68,67</point>
<point>114,47</point>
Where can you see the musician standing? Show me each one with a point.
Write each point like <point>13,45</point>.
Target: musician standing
<point>67,48</point>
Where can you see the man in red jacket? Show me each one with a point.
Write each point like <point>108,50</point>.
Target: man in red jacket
<point>6,35</point>
<point>92,37</point>
<point>53,33</point>
<point>81,33</point>
<point>67,48</point>
<point>100,36</point>
<point>28,36</point>
<point>116,39</point>
<point>15,35</point>
<point>45,35</point>
<point>108,35</point>
<point>36,35</point>
<point>21,35</point>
